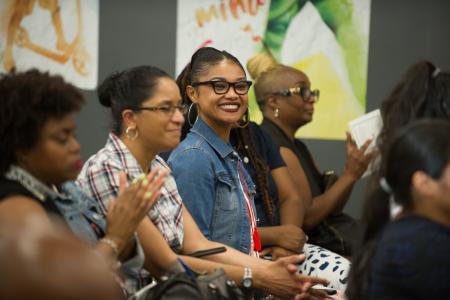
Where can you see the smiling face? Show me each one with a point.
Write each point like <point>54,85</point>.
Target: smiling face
<point>160,130</point>
<point>56,157</point>
<point>220,111</point>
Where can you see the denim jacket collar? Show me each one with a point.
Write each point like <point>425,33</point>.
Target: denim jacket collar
<point>34,185</point>
<point>201,128</point>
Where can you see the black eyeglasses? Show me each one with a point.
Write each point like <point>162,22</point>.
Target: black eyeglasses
<point>165,109</point>
<point>302,91</point>
<point>221,87</point>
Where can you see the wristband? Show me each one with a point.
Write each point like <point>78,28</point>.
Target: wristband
<point>113,245</point>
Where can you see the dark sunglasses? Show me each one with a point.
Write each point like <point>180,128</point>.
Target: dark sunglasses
<point>302,91</point>
<point>221,87</point>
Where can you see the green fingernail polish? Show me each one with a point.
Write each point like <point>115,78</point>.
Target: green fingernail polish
<point>145,182</point>
<point>148,195</point>
<point>134,180</point>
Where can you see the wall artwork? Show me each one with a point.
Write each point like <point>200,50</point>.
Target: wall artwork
<point>326,39</point>
<point>59,36</point>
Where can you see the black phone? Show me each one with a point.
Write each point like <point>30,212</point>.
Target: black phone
<point>211,251</point>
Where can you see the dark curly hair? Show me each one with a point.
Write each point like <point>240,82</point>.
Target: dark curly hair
<point>28,101</point>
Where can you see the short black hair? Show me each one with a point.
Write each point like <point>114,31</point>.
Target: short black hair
<point>27,101</point>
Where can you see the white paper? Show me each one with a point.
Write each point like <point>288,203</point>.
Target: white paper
<point>366,127</point>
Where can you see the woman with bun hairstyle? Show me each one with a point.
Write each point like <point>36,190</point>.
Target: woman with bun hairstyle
<point>39,159</point>
<point>287,102</point>
<point>147,118</point>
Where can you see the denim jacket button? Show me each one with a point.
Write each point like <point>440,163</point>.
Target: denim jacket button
<point>96,216</point>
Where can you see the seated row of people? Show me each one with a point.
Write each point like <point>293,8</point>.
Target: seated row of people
<point>231,182</point>
<point>38,166</point>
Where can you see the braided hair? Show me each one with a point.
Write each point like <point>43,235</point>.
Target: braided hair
<point>246,149</point>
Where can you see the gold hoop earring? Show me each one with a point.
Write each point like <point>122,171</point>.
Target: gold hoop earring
<point>245,120</point>
<point>129,133</point>
<point>189,115</point>
<point>277,113</point>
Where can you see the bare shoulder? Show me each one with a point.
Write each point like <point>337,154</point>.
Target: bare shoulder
<point>290,158</point>
<point>19,206</point>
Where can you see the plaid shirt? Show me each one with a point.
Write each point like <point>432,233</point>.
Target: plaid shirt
<point>99,178</point>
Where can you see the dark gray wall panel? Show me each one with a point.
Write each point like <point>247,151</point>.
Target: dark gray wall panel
<point>143,32</point>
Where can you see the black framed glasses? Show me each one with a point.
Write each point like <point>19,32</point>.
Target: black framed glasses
<point>305,92</point>
<point>165,109</point>
<point>221,87</point>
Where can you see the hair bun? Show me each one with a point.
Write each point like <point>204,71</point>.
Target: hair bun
<point>260,63</point>
<point>104,90</point>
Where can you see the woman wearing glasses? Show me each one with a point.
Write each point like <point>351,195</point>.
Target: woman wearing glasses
<point>209,173</point>
<point>40,162</point>
<point>147,119</point>
<point>287,102</point>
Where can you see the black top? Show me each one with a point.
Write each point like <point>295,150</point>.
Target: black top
<point>270,153</point>
<point>301,151</point>
<point>411,261</point>
<point>10,188</point>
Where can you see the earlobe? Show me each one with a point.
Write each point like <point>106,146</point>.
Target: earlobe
<point>272,102</point>
<point>423,183</point>
<point>128,118</point>
<point>191,93</point>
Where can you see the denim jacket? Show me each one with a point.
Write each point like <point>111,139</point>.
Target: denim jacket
<point>83,216</point>
<point>205,169</point>
<point>77,208</point>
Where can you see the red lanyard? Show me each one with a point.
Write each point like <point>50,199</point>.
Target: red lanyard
<point>251,214</point>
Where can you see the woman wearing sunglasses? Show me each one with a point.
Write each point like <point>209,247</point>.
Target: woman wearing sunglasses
<point>287,102</point>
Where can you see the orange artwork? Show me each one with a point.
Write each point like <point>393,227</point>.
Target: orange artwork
<point>19,36</point>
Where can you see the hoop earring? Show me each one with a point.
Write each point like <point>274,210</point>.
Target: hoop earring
<point>189,115</point>
<point>277,113</point>
<point>244,121</point>
<point>129,133</point>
